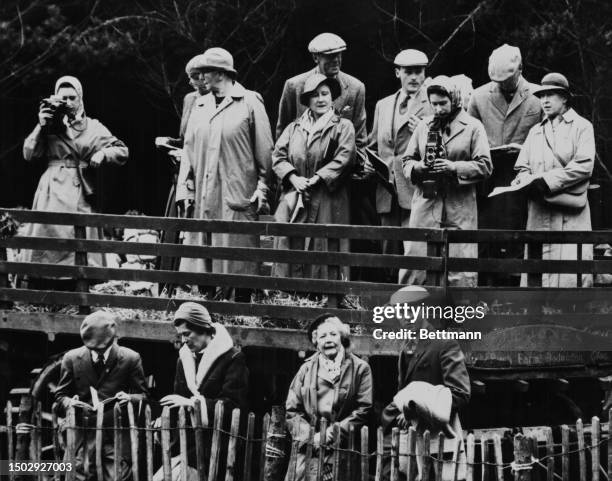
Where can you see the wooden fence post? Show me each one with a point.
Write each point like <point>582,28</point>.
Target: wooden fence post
<point>9,436</point>
<point>309,449</point>
<point>365,454</point>
<point>565,452</point>
<point>4,280</point>
<point>182,431</point>
<point>55,439</point>
<point>264,441</point>
<point>426,459</point>
<point>497,451</point>
<point>581,451</point>
<point>232,445</point>
<point>80,259</point>
<point>436,249</point>
<point>336,458</point>
<point>196,419</point>
<point>411,469</point>
<point>99,440</point>
<point>522,458</point>
<point>165,444</point>
<point>71,441</point>
<point>394,476</point>
<point>350,457</point>
<point>23,437</point>
<point>469,452</point>
<point>595,439</point>
<point>295,445</point>
<point>379,454</point>
<point>248,447</point>
<point>37,437</point>
<point>216,441</point>
<point>275,445</point>
<point>534,251</point>
<point>149,442</point>
<point>440,459</point>
<point>321,461</point>
<point>484,453</point>
<point>134,442</point>
<point>610,444</point>
<point>550,453</point>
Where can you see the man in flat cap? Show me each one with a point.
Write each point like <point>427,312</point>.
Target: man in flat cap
<point>209,369</point>
<point>111,370</point>
<point>395,118</point>
<point>435,365</point>
<point>508,109</point>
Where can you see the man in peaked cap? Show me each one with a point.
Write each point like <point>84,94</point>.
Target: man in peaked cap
<point>508,109</point>
<point>112,371</point>
<point>437,362</point>
<point>326,50</point>
<point>395,118</point>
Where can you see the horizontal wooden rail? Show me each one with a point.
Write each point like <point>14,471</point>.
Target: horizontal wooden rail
<point>334,231</point>
<point>230,253</point>
<point>164,304</point>
<point>288,284</point>
<point>464,264</point>
<point>521,236</point>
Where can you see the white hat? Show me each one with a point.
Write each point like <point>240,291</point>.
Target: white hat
<point>504,62</point>
<point>411,58</point>
<point>326,43</point>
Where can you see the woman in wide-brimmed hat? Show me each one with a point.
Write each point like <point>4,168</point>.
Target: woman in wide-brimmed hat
<point>557,160</point>
<point>312,160</point>
<point>332,384</point>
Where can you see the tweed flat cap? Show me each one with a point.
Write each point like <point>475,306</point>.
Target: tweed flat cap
<point>411,58</point>
<point>504,62</point>
<point>98,330</point>
<point>326,43</point>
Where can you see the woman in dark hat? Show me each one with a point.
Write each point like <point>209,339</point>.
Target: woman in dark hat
<point>312,159</point>
<point>557,160</point>
<point>332,384</point>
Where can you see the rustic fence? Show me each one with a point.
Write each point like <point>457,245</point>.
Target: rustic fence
<point>264,451</point>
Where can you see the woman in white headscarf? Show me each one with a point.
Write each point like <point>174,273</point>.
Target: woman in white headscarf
<point>445,194</point>
<point>71,144</point>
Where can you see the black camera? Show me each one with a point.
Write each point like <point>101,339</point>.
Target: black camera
<point>432,184</point>
<point>59,109</point>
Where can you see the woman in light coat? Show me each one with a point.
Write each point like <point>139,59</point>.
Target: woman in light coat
<point>224,171</point>
<point>466,162</point>
<point>557,158</point>
<point>332,384</point>
<point>71,144</point>
<point>312,160</point>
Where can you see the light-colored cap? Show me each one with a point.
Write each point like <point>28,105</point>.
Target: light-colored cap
<point>218,58</point>
<point>312,84</point>
<point>553,82</point>
<point>193,313</point>
<point>195,63</point>
<point>411,58</point>
<point>504,62</point>
<point>326,43</point>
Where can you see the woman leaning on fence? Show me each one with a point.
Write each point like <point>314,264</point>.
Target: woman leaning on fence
<point>332,384</point>
<point>557,161</point>
<point>71,144</point>
<point>312,160</point>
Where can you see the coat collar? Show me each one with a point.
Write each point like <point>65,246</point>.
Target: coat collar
<point>497,97</point>
<point>458,125</point>
<point>335,119</point>
<point>568,117</point>
<point>236,92</point>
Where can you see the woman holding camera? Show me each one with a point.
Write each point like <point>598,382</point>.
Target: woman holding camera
<point>446,156</point>
<point>556,162</point>
<point>70,143</point>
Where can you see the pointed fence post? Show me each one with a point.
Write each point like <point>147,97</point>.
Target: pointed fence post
<point>522,458</point>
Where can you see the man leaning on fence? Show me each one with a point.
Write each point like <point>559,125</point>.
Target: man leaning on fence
<point>433,384</point>
<point>102,369</point>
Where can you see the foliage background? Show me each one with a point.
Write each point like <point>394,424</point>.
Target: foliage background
<point>130,57</point>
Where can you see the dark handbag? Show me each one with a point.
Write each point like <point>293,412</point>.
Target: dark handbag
<point>572,198</point>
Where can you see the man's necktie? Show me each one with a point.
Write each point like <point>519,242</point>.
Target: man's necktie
<point>99,366</point>
<point>403,106</point>
<point>198,358</point>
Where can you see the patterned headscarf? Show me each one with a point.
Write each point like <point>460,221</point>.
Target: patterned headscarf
<point>443,85</point>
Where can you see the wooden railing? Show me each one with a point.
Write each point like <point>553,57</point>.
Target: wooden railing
<point>246,448</point>
<point>517,304</point>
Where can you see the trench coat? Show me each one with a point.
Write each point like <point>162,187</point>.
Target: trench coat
<point>189,102</point>
<point>59,188</point>
<point>227,149</point>
<point>350,105</point>
<point>574,142</point>
<point>352,402</point>
<point>329,202</point>
<point>466,144</point>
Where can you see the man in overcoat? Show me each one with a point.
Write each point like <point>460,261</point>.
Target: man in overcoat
<point>395,118</point>
<point>432,361</point>
<point>114,372</point>
<point>508,109</point>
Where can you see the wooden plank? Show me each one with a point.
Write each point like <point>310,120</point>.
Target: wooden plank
<point>287,284</point>
<point>295,444</point>
<point>550,455</point>
<point>581,450</point>
<point>322,436</point>
<point>309,449</point>
<point>484,453</point>
<point>351,449</point>
<point>411,469</point>
<point>85,435</point>
<point>213,468</point>
<point>99,441</point>
<point>394,474</point>
<point>219,226</point>
<point>248,452</point>
<point>165,444</point>
<point>71,441</point>
<point>149,443</point>
<point>196,417</point>
<point>337,436</point>
<point>595,440</point>
<point>440,458</point>
<point>426,459</point>
<point>522,457</point>
<point>37,435</point>
<point>265,423</point>
<point>232,445</point>
<point>530,265</point>
<point>470,451</point>
<point>55,439</point>
<point>365,454</point>
<point>521,236</point>
<point>9,436</point>
<point>434,276</point>
<point>499,462</point>
<point>565,447</point>
<point>118,442</point>
<point>134,442</point>
<point>80,259</point>
<point>230,253</point>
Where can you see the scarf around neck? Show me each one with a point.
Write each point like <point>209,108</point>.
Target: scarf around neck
<point>329,369</point>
